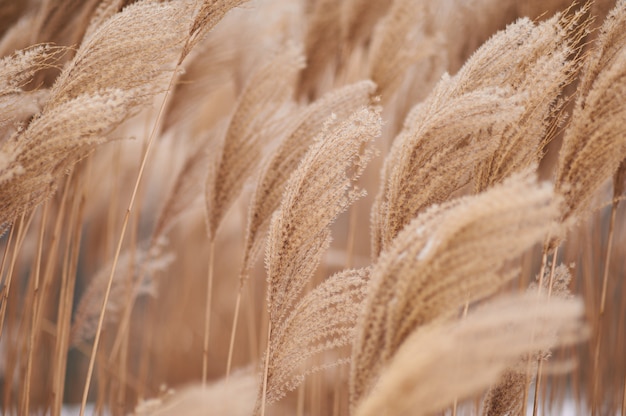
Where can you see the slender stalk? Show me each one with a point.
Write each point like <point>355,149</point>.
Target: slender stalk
<point>351,237</point>
<point>624,399</point>
<point>552,272</point>
<point>5,289</point>
<point>148,335</point>
<point>605,279</point>
<point>67,297</point>
<point>123,329</point>
<point>124,326</point>
<point>253,342</point>
<point>118,250</point>
<point>300,399</point>
<point>21,233</point>
<point>605,274</point>
<point>542,270</point>
<point>539,361</point>
<point>207,314</point>
<point>243,277</point>
<point>17,348</point>
<point>266,366</point>
<point>231,346</point>
<point>123,365</point>
<point>337,395</point>
<point>6,251</point>
<point>36,304</point>
<point>316,401</point>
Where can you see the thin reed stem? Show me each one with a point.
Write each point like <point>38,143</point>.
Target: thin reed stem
<point>231,346</point>
<point>148,335</point>
<point>36,304</point>
<point>118,250</point>
<point>266,366</point>
<point>21,233</point>
<point>624,399</point>
<point>207,314</point>
<point>129,305</point>
<point>124,327</point>
<point>605,278</point>
<point>5,290</point>
<point>351,237</point>
<point>337,393</point>
<point>5,255</point>
<point>609,247</point>
<point>67,290</point>
<point>243,278</point>
<point>300,399</point>
<point>253,341</point>
<point>542,270</point>
<point>539,360</point>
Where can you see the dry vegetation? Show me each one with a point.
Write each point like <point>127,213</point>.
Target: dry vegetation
<point>436,187</point>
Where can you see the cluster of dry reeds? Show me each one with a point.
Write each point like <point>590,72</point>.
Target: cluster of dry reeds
<point>434,187</point>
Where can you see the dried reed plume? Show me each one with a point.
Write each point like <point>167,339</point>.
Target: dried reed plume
<point>429,370</point>
<point>432,156</point>
<point>506,397</point>
<point>317,192</point>
<point>594,144</point>
<point>133,278</point>
<point>286,158</point>
<point>16,72</point>
<point>266,92</point>
<point>404,37</point>
<point>281,111</point>
<point>549,60</point>
<point>101,87</point>
<point>234,397</point>
<point>322,320</point>
<point>449,255</point>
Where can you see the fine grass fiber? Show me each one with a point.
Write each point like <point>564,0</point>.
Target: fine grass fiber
<point>312,207</point>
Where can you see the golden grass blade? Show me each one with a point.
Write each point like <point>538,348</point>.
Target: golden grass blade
<point>507,396</point>
<point>18,69</point>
